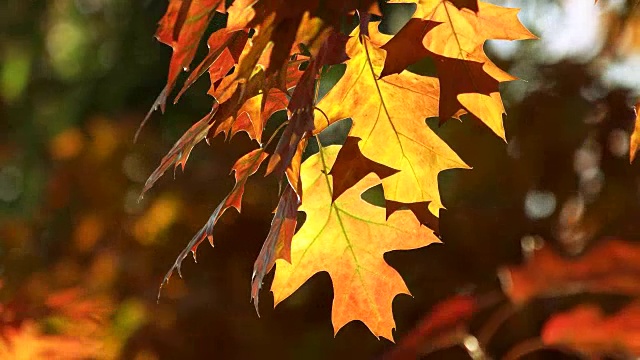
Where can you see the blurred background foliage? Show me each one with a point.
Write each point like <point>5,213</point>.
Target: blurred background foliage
<point>81,259</point>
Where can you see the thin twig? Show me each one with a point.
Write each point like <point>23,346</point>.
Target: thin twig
<point>532,345</point>
<point>495,321</point>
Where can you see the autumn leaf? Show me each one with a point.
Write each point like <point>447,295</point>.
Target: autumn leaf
<point>351,167</point>
<point>182,28</point>
<point>336,238</point>
<point>393,134</point>
<point>610,266</point>
<point>300,123</point>
<point>277,245</point>
<point>254,113</point>
<point>635,136</point>
<point>454,37</point>
<point>179,153</point>
<point>246,166</point>
<point>225,48</point>
<point>589,331</point>
<point>462,31</point>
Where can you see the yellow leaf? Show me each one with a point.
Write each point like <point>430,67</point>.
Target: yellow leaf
<point>389,116</point>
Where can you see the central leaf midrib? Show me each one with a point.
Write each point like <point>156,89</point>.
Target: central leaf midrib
<point>379,91</point>
<point>325,172</point>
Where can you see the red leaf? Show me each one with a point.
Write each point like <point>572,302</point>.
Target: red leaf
<point>225,48</point>
<point>243,168</point>
<point>446,325</point>
<point>612,266</point>
<point>182,28</point>
<point>179,153</point>
<point>300,123</point>
<point>587,330</point>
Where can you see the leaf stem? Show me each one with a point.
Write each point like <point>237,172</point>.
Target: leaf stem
<point>495,321</point>
<point>275,132</point>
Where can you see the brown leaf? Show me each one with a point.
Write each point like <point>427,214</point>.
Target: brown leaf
<point>179,153</point>
<point>243,168</point>
<point>300,123</point>
<point>351,167</point>
<point>277,245</point>
<point>466,4</point>
<point>420,210</point>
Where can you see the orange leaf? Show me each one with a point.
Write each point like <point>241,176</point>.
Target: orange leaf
<point>225,48</point>
<point>635,136</point>
<point>336,238</point>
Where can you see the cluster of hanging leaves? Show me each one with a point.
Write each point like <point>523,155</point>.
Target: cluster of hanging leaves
<point>270,57</point>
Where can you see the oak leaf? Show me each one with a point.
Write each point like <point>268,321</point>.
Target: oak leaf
<point>270,46</point>
<point>336,238</point>
<point>351,167</point>
<point>454,37</point>
<point>389,116</point>
<point>225,48</point>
